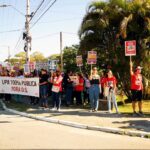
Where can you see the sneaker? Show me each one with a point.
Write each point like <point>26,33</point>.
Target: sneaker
<point>141,113</point>
<point>46,108</point>
<point>91,110</point>
<point>135,114</point>
<point>58,109</point>
<point>118,112</point>
<point>109,111</point>
<point>53,109</point>
<point>95,110</point>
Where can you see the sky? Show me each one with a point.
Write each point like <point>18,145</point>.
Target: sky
<point>64,16</point>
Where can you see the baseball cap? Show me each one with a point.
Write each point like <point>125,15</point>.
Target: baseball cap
<point>139,68</point>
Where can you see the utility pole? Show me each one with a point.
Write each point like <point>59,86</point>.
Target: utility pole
<point>26,34</point>
<point>8,54</point>
<point>61,51</point>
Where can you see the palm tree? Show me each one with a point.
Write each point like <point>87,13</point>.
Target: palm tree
<point>107,25</point>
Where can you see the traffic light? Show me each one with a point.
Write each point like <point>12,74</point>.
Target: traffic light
<point>24,35</point>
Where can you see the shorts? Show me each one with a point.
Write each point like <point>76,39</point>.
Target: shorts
<point>136,95</point>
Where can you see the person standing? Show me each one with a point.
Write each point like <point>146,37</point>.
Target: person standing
<point>56,90</point>
<point>79,89</point>
<point>110,90</point>
<point>94,89</point>
<point>87,85</point>
<point>68,87</point>
<point>136,88</point>
<point>43,88</point>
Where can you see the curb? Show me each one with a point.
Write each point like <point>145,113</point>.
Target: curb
<point>78,125</point>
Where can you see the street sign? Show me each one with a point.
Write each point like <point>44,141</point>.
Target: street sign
<point>130,48</point>
<point>92,57</point>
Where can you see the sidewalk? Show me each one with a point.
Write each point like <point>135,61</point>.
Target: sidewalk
<point>101,120</point>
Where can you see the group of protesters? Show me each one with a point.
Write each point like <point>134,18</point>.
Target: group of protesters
<point>78,88</point>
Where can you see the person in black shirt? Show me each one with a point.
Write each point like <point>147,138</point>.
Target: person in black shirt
<point>68,88</point>
<point>44,88</point>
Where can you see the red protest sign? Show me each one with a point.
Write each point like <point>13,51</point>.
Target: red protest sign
<point>92,57</point>
<point>130,48</point>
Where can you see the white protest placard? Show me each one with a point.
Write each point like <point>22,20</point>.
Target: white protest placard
<point>26,69</point>
<point>20,86</point>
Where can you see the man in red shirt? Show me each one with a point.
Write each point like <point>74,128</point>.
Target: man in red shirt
<point>136,88</point>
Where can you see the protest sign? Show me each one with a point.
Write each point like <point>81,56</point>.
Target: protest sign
<point>92,57</point>
<point>79,61</point>
<point>42,65</point>
<point>32,66</point>
<point>130,48</point>
<point>20,86</point>
<point>26,69</point>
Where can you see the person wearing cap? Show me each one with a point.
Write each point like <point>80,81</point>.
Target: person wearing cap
<point>136,88</point>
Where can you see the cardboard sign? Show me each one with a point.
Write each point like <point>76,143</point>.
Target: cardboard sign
<point>42,65</point>
<point>79,61</point>
<point>26,69</point>
<point>92,57</point>
<point>130,48</point>
<point>32,66</point>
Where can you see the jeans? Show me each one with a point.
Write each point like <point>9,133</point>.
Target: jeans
<point>69,95</point>
<point>56,100</point>
<point>44,94</point>
<point>112,96</point>
<point>94,96</point>
<point>78,97</point>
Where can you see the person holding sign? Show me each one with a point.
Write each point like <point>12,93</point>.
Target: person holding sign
<point>136,88</point>
<point>94,89</point>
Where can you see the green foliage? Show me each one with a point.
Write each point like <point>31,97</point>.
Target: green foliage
<point>37,57</point>
<point>69,58</point>
<point>105,28</point>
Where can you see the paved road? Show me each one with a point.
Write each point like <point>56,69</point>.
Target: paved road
<point>23,133</point>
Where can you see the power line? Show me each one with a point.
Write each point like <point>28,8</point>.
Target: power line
<point>10,31</point>
<point>44,36</point>
<point>37,9</point>
<point>20,37</point>
<point>44,13</point>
